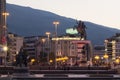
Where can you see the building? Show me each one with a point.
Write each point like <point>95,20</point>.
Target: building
<point>99,50</point>
<point>72,47</point>
<point>30,46</point>
<point>37,47</point>
<point>33,46</point>
<point>15,42</point>
<point>112,46</point>
<point>82,49</point>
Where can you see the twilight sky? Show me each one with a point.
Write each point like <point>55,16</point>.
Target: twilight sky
<point>103,12</point>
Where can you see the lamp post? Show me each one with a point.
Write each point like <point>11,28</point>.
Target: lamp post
<point>43,41</point>
<point>4,37</point>
<point>5,14</point>
<point>56,23</point>
<point>48,35</point>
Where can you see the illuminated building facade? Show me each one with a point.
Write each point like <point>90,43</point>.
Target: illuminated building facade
<point>31,46</point>
<point>112,46</point>
<point>73,47</point>
<point>14,44</point>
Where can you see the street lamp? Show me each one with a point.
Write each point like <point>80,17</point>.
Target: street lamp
<point>43,41</point>
<point>5,14</point>
<point>48,35</point>
<point>56,23</point>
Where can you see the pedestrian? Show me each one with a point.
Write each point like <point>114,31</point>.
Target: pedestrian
<point>17,60</point>
<point>25,58</point>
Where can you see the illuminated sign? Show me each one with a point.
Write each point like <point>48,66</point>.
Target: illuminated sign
<point>71,31</point>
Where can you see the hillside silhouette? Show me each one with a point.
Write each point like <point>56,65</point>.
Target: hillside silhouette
<point>26,21</point>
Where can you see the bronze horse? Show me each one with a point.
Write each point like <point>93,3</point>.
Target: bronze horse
<point>81,28</point>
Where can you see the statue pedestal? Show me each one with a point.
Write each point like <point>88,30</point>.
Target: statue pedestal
<point>21,71</point>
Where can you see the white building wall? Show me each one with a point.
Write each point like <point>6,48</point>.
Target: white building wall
<point>63,47</point>
<point>19,43</point>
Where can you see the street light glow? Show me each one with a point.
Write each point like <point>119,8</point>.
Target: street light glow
<point>5,48</point>
<point>117,61</point>
<point>43,40</point>
<point>56,22</point>
<point>106,56</point>
<point>32,60</point>
<point>97,57</point>
<point>5,14</point>
<point>47,33</point>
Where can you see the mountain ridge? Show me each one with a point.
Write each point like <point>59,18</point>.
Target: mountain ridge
<point>26,21</point>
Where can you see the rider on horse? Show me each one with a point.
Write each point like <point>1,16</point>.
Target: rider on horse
<point>81,29</point>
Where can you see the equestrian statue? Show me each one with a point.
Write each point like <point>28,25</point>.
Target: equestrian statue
<point>81,28</point>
